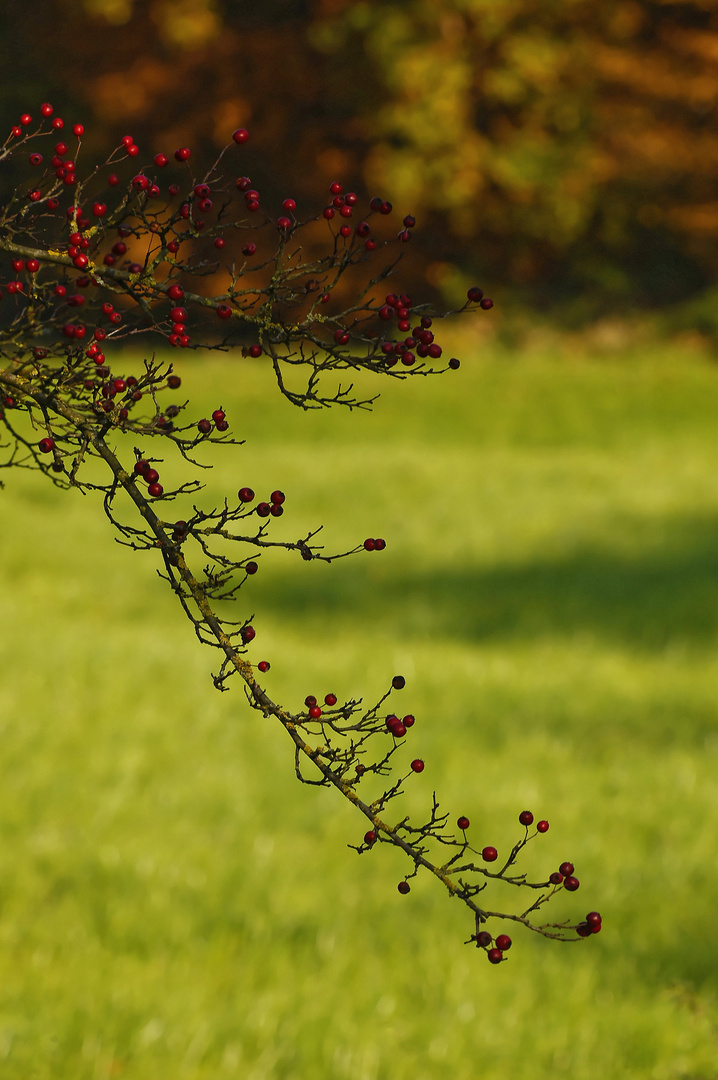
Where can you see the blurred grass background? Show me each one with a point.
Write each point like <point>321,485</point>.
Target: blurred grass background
<point>173,902</point>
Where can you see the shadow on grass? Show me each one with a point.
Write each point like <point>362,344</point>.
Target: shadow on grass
<point>662,595</point>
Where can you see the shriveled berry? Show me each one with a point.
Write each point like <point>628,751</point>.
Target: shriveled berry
<point>310,700</point>
<point>204,426</point>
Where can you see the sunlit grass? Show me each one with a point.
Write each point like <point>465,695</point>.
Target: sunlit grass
<point>174,903</point>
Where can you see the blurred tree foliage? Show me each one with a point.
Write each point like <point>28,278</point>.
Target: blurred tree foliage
<point>563,149</point>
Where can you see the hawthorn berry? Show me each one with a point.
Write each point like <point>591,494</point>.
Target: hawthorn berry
<point>495,956</point>
<point>330,699</point>
<point>404,887</point>
<point>248,634</point>
<point>566,869</point>
<point>556,878</point>
<point>542,826</point>
<point>489,854</point>
<point>249,249</point>
<point>175,292</point>
<point>571,884</point>
<point>183,153</point>
<point>174,382</point>
<point>475,294</point>
<point>155,490</point>
<point>417,765</point>
<point>277,497</point>
<point>369,544</point>
<point>483,939</point>
<point>593,918</point>
<point>408,721</point>
<point>251,568</point>
<point>240,136</point>
<point>503,942</point>
<point>369,837</point>
<point>310,700</point>
<point>463,823</point>
<point>224,312</point>
<point>204,426</point>
<point>99,209</point>
<point>245,495</point>
<point>398,682</point>
<point>32,266</point>
<point>46,109</point>
<point>78,129</point>
<point>315,712</point>
<point>255,351</point>
<point>486,303</point>
<point>263,665</point>
<point>263,509</point>
<point>584,930</point>
<point>46,445</point>
<point>36,159</point>
<point>526,818</point>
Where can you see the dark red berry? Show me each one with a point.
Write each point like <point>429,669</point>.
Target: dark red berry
<point>263,665</point>
<point>204,426</point>
<point>556,878</point>
<point>489,854</point>
<point>483,939</point>
<point>408,721</point>
<point>183,154</point>
<point>330,699</point>
<point>566,869</point>
<point>503,942</point>
<point>263,509</point>
<point>584,930</point>
<point>251,568</point>
<point>369,837</point>
<point>463,823</point>
<point>542,826</point>
<point>310,700</point>
<point>155,490</point>
<point>151,475</point>
<point>379,544</point>
<point>277,497</point>
<point>571,884</point>
<point>246,495</point>
<point>495,956</point>
<point>46,445</point>
<point>174,382</point>
<point>486,304</point>
<point>475,294</point>
<point>593,918</point>
<point>369,544</point>
<point>526,817</point>
<point>398,682</point>
<point>404,887</point>
<point>248,634</point>
<point>417,765</point>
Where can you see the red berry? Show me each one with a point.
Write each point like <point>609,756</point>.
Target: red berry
<point>263,665</point>
<point>556,878</point>
<point>417,765</point>
<point>249,249</point>
<point>204,426</point>
<point>336,188</point>
<point>330,699</point>
<point>328,212</point>
<point>483,939</point>
<point>408,721</point>
<point>263,509</point>
<point>245,494</point>
<point>571,884</point>
<point>542,826</point>
<point>566,869</point>
<point>183,154</point>
<point>46,445</point>
<point>289,205</point>
<point>404,887</point>
<point>489,854</point>
<point>36,159</point>
<point>277,497</point>
<point>463,823</point>
<point>32,266</point>
<point>369,544</point>
<point>284,223</point>
<point>240,136</point>
<point>315,712</point>
<point>248,634</point>
<point>25,119</point>
<point>46,110</point>
<point>503,942</point>
<point>526,817</point>
<point>155,490</point>
<point>224,312</point>
<point>310,700</point>
<point>584,930</point>
<point>475,294</point>
<point>58,123</point>
<point>409,221</point>
<point>398,682</point>
<point>175,292</point>
<point>251,568</point>
<point>495,956</point>
<point>78,129</point>
<point>255,351</point>
<point>99,209</point>
<point>276,510</point>
<point>369,837</point>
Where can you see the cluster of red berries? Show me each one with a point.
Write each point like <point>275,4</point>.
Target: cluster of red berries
<point>374,544</point>
<point>476,296</point>
<point>219,421</point>
<point>564,876</point>
<point>150,476</point>
<point>591,925</point>
<point>313,707</point>
<point>501,945</point>
<point>398,728</point>
<point>264,509</point>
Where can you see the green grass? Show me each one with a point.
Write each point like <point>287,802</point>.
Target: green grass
<point>173,903</point>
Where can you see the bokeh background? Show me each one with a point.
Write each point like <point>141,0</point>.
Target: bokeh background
<point>172,901</point>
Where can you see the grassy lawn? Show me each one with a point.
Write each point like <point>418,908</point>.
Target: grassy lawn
<point>174,904</point>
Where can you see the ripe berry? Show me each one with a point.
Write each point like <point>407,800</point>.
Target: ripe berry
<point>251,568</point>
<point>161,160</point>
<point>46,110</point>
<point>566,869</point>
<point>220,242</point>
<point>556,878</point>
<point>404,887</point>
<point>245,494</point>
<point>289,205</point>
<point>204,426</point>
<point>503,942</point>
<point>45,446</point>
<point>409,221</point>
<point>155,490</point>
<point>584,930</point>
<point>526,817</point>
<point>25,119</point>
<point>151,475</point>
<point>175,292</point>
<point>328,212</point>
<point>376,203</point>
<point>276,510</point>
<point>571,884</point>
<point>36,159</point>
<point>369,544</point>
<point>183,154</point>
<point>417,765</point>
<point>224,312</point>
<point>263,509</point>
<point>542,826</point>
<point>475,294</point>
<point>249,249</point>
<point>369,837</point>
<point>330,699</point>
<point>593,918</point>
<point>277,497</point>
<point>78,129</point>
<point>240,136</point>
<point>463,823</point>
<point>263,665</point>
<point>32,266</point>
<point>248,634</point>
<point>315,712</point>
<point>398,682</point>
<point>483,938</point>
<point>408,721</point>
<point>310,700</point>
<point>99,209</point>
<point>284,223</point>
<point>495,956</point>
<point>489,854</point>
<point>255,351</point>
